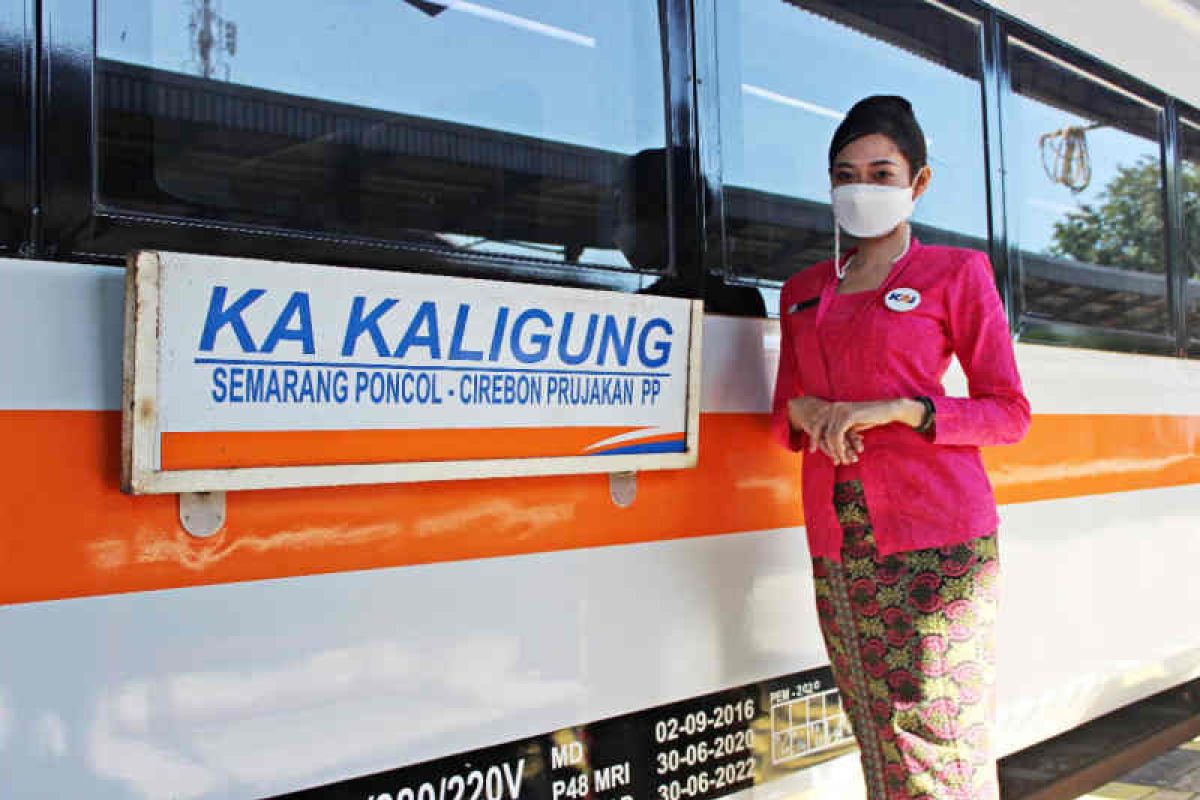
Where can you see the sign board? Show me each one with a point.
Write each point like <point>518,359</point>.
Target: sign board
<point>244,374</point>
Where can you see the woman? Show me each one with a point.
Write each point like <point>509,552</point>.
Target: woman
<point>900,514</point>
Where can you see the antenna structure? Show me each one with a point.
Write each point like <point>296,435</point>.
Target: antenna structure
<point>213,38</point>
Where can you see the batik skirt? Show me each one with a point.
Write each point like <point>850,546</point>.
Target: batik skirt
<point>910,640</point>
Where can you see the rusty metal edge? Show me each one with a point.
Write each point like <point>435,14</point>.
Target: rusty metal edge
<point>139,372</point>
<point>1112,766</point>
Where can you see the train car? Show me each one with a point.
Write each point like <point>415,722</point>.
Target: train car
<point>606,636</point>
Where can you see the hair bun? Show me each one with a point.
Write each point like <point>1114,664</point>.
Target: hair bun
<point>880,100</point>
<point>887,114</point>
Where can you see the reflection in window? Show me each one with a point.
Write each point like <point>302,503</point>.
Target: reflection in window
<point>788,72</point>
<point>1083,162</point>
<point>1189,195</point>
<point>504,127</point>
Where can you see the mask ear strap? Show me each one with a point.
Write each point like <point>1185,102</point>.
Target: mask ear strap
<point>837,250</point>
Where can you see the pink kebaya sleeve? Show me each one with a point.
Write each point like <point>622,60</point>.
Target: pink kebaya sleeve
<point>997,411</point>
<point>786,387</point>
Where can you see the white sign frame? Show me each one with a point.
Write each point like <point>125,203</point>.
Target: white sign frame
<point>141,474</point>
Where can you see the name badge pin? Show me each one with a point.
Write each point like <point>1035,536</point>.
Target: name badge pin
<point>902,299</point>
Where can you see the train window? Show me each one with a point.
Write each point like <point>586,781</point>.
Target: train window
<point>789,70</point>
<point>15,35</point>
<point>1085,205</point>
<point>1189,198</point>
<point>528,129</point>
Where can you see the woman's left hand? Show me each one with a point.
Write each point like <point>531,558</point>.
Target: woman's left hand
<point>839,433</point>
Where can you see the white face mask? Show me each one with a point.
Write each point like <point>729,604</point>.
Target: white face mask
<point>867,210</point>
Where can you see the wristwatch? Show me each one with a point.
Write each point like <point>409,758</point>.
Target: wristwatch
<point>927,419</point>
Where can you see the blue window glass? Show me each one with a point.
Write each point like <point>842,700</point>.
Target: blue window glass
<point>1085,198</point>
<point>789,70</point>
<point>499,128</point>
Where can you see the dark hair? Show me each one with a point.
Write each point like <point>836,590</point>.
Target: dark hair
<point>886,114</point>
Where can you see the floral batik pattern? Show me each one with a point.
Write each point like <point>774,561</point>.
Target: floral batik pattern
<point>910,640</point>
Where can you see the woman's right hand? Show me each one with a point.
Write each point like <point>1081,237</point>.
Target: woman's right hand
<point>812,415</point>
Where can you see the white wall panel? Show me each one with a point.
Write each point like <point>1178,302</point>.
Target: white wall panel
<point>1157,41</point>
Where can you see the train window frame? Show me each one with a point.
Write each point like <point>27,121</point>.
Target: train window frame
<point>18,77</point>
<point>998,27</point>
<point>966,11</point>
<point>79,225</point>
<point>1070,334</point>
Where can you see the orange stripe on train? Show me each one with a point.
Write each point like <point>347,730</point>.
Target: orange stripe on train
<point>69,532</point>
<point>234,449</point>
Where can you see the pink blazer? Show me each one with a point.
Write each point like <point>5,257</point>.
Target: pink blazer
<point>922,490</point>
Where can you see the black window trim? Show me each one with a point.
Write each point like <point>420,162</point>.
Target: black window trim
<point>19,79</point>
<point>1181,113</point>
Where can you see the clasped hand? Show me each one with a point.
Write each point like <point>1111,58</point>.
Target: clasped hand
<point>835,428</point>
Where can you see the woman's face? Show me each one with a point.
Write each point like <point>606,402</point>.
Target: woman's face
<point>876,159</point>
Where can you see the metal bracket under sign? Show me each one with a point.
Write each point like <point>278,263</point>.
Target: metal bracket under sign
<point>622,488</point>
<point>202,514</point>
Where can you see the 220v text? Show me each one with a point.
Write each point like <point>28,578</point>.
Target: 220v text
<point>498,782</point>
